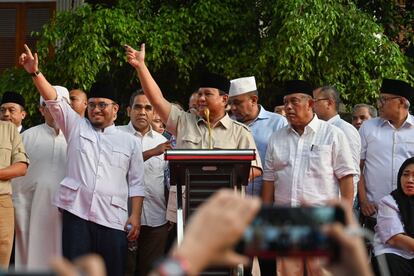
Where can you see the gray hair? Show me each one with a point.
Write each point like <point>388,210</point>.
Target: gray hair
<point>332,93</point>
<point>372,110</point>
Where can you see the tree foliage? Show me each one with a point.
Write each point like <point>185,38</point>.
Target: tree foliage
<point>328,42</point>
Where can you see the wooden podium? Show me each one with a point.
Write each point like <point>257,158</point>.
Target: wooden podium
<point>202,172</point>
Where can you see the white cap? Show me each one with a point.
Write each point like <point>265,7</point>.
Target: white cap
<point>241,86</point>
<point>61,92</point>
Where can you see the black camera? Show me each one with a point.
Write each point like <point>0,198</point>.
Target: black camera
<point>291,231</point>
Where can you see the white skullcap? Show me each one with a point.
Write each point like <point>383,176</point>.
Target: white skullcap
<point>61,92</point>
<point>242,85</point>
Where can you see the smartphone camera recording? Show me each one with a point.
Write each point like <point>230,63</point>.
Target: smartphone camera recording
<point>291,231</point>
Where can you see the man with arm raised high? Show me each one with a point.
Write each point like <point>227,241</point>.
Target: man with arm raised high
<point>192,130</point>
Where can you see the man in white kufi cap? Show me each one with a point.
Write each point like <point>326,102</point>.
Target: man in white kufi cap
<point>245,108</point>
<point>243,98</point>
<point>38,222</point>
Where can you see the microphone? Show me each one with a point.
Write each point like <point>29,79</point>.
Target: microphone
<point>210,140</point>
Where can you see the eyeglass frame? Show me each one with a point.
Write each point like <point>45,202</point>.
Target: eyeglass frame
<point>384,99</point>
<point>101,105</point>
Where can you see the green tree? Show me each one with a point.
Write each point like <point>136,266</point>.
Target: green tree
<point>327,42</point>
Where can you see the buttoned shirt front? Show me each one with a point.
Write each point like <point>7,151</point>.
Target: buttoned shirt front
<point>389,224</point>
<point>103,168</point>
<point>11,151</point>
<point>191,132</point>
<point>47,151</point>
<point>307,167</point>
<point>384,149</point>
<point>262,128</point>
<point>354,141</point>
<point>154,207</point>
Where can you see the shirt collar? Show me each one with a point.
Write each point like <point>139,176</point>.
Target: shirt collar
<point>137,133</point>
<point>408,122</point>
<point>313,125</point>
<point>334,119</point>
<point>226,121</point>
<point>51,130</point>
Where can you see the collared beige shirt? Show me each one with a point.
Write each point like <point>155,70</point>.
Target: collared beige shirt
<point>11,151</point>
<point>191,132</point>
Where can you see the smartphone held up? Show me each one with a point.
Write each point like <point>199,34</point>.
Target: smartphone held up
<point>291,231</point>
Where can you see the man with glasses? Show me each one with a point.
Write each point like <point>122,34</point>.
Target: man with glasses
<point>104,168</point>
<point>38,222</point>
<point>309,161</point>
<point>12,109</point>
<point>386,141</point>
<point>326,107</point>
<point>154,228</point>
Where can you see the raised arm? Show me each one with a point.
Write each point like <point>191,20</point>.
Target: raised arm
<point>148,84</point>
<point>30,63</point>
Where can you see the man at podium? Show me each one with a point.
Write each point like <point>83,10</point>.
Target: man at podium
<point>211,128</point>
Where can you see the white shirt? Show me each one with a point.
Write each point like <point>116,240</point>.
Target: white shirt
<point>384,149</point>
<point>307,167</point>
<point>47,151</point>
<point>102,168</point>
<point>352,135</point>
<point>154,208</point>
<point>388,225</point>
<point>38,222</point>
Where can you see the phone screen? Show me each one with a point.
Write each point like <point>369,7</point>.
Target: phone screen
<point>285,231</point>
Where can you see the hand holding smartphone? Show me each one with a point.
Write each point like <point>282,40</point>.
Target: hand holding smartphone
<point>291,231</point>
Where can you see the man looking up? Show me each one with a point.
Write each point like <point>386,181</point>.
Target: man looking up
<point>38,222</point>
<point>12,109</point>
<point>104,167</point>
<point>78,101</point>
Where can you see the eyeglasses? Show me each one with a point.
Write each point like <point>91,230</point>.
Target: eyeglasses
<point>384,99</point>
<point>100,105</point>
<point>323,99</point>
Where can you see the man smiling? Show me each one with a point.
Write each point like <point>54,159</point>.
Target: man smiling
<point>104,167</point>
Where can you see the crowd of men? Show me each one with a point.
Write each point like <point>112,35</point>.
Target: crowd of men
<point>93,187</point>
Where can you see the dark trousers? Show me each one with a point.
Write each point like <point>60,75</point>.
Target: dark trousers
<point>151,246</point>
<point>397,265</point>
<point>267,266</point>
<point>80,237</point>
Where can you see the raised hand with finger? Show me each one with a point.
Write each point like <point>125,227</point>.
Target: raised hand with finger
<point>29,61</point>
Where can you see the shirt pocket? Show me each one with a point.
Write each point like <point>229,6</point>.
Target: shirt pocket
<point>68,190</point>
<point>86,142</point>
<point>119,209</point>
<point>120,158</point>
<point>320,159</point>
<point>5,155</point>
<point>191,141</point>
<point>408,148</point>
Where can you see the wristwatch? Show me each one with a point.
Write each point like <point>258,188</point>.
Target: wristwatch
<point>35,74</point>
<point>172,267</point>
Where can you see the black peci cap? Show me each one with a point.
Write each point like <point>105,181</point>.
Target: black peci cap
<point>13,97</point>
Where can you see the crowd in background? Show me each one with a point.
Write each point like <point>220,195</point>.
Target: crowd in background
<point>79,184</point>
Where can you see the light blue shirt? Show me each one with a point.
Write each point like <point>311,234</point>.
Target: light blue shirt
<point>262,128</point>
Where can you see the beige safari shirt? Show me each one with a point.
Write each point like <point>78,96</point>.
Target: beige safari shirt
<point>11,151</point>
<point>191,132</point>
